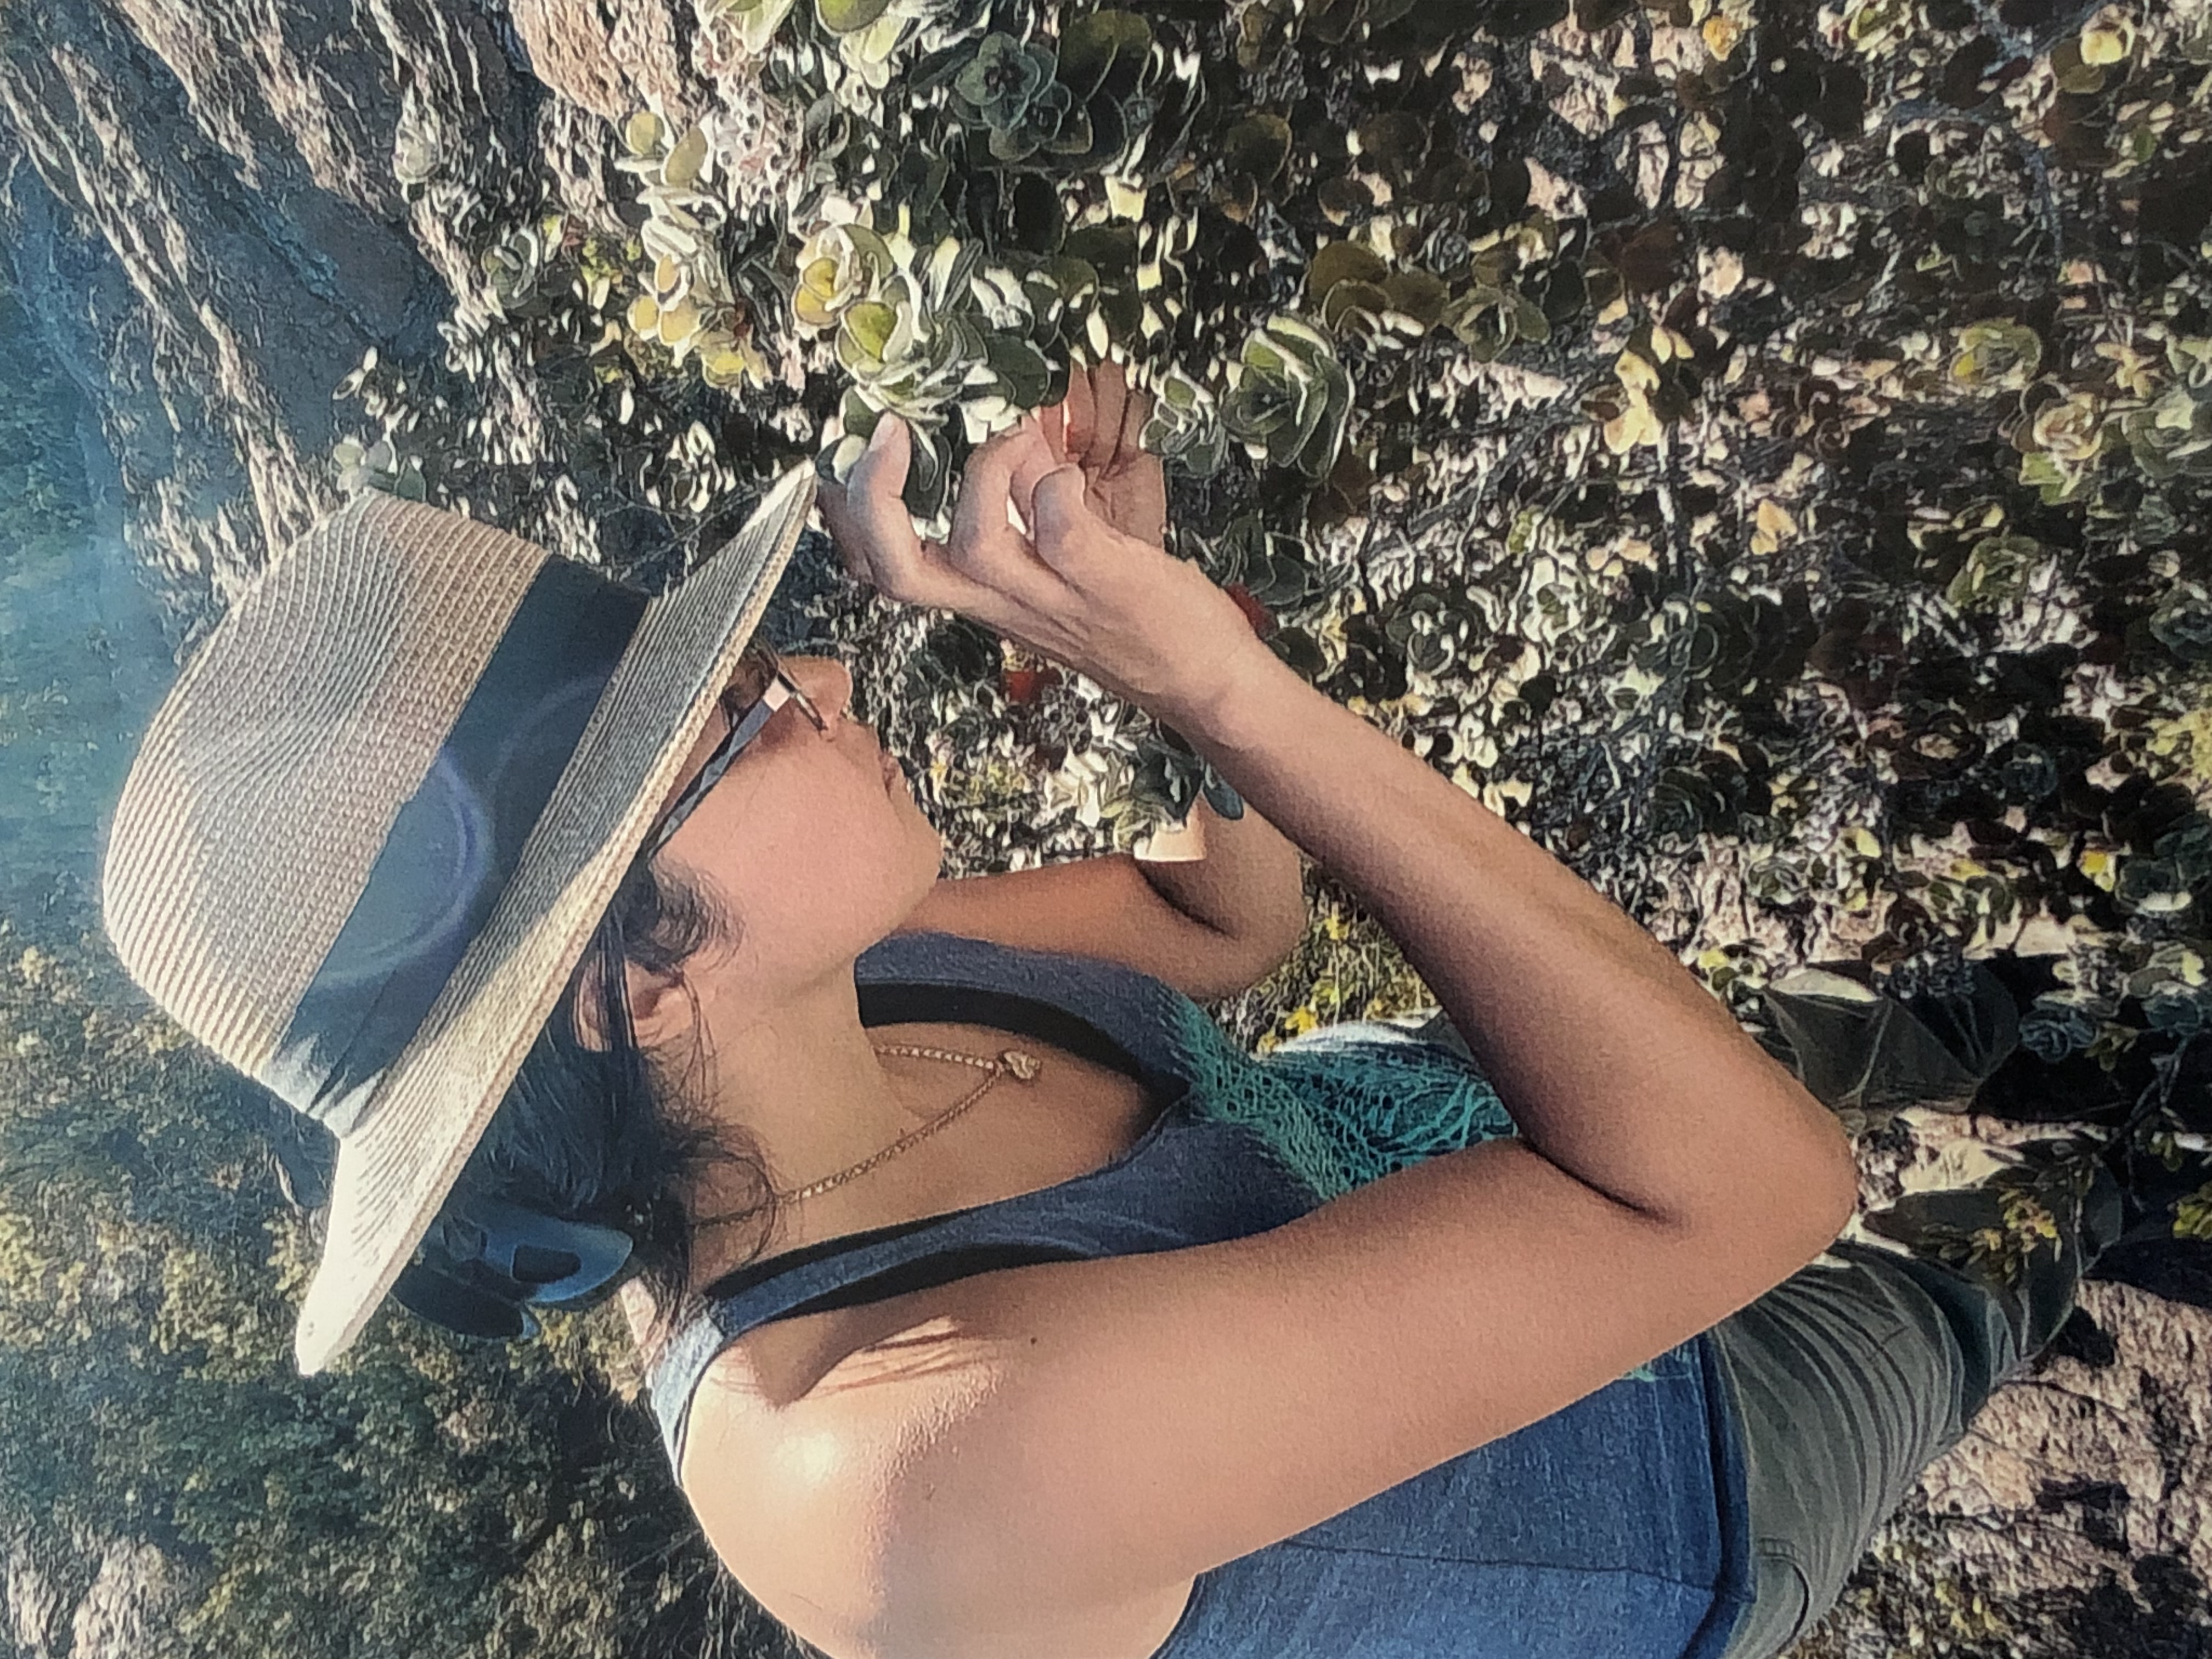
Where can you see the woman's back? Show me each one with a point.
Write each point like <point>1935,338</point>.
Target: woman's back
<point>1606,1526</point>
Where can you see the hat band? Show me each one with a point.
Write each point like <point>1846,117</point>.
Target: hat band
<point>456,843</point>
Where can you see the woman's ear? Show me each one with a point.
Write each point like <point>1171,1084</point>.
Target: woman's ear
<point>658,1008</point>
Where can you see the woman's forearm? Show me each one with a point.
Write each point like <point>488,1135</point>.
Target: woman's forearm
<point>1247,886</point>
<point>1617,1064</point>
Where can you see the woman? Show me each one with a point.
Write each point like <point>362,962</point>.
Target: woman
<point>995,1306</point>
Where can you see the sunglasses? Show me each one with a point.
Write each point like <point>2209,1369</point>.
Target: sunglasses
<point>759,687</point>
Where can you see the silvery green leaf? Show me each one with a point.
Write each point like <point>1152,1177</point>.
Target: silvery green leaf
<point>700,208</point>
<point>1021,368</point>
<point>665,241</point>
<point>687,160</point>
<point>644,133</point>
<point>836,462</point>
<point>848,16</point>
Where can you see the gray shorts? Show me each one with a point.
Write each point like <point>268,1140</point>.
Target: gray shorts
<point>1851,1376</point>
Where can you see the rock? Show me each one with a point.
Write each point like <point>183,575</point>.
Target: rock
<point>643,41</point>
<point>33,1603</point>
<point>245,324</point>
<point>202,206</point>
<point>2074,1519</point>
<point>611,68</point>
<point>135,1590</point>
<point>2141,1427</point>
<point>118,1612</point>
<point>570,53</point>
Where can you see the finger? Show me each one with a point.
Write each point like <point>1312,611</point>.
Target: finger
<point>1134,414</point>
<point>1052,423</point>
<point>1034,457</point>
<point>1077,439</point>
<point>1109,397</point>
<point>875,499</point>
<point>881,529</point>
<point>982,538</point>
<point>845,517</point>
<point>844,534</point>
<point>1062,525</point>
<point>985,544</point>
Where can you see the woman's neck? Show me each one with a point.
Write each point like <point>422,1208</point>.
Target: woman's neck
<point>801,1089</point>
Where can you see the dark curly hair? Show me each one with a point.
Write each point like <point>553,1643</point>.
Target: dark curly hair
<point>617,1136</point>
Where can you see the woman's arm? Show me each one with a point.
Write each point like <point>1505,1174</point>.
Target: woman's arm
<point>1211,927</point>
<point>1617,1064</point>
<point>1007,1454</point>
<point>1248,886</point>
<point>1246,894</point>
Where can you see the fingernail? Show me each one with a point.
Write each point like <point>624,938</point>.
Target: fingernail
<point>876,438</point>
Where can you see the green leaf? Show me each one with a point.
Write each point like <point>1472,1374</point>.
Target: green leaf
<point>1423,297</point>
<point>642,133</point>
<point>1038,220</point>
<point>1513,20</point>
<point>1343,262</point>
<point>858,416</point>
<point>1109,250</point>
<point>1073,278</point>
<point>1257,146</point>
<point>1394,143</point>
<point>870,324</point>
<point>1347,303</point>
<point>1591,16</point>
<point>1022,370</point>
<point>1300,651</point>
<point>1103,45</point>
<point>929,475</point>
<point>1342,199</point>
<point>685,162</point>
<point>849,16</point>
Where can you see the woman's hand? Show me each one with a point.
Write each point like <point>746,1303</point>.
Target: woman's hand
<point>1148,626</point>
<point>1099,428</point>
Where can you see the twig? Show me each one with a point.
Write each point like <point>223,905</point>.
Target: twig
<point>1468,502</point>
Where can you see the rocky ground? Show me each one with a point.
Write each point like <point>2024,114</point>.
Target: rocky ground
<point>2073,1519</point>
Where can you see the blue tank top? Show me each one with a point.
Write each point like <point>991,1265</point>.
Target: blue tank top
<point>1614,1529</point>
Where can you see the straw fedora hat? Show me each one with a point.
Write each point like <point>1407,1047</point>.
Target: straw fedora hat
<point>368,834</point>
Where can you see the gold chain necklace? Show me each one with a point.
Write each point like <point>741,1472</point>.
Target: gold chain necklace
<point>1023,1066</point>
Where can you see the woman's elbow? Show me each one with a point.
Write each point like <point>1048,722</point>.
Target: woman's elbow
<point>1832,1191</point>
<point>1266,952</point>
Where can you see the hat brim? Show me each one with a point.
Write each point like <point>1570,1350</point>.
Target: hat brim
<point>433,1104</point>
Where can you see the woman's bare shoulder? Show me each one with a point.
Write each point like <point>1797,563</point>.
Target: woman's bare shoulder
<point>786,1528</point>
